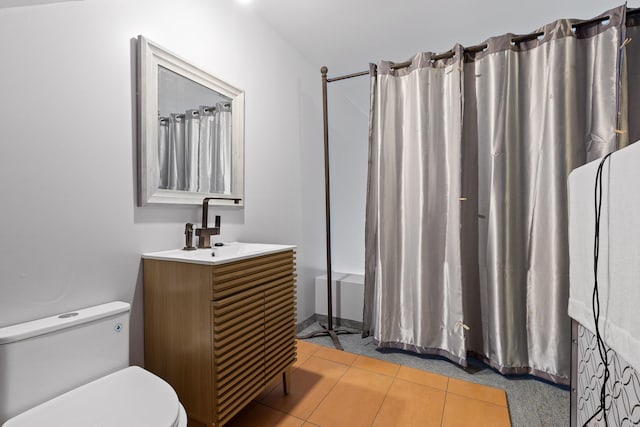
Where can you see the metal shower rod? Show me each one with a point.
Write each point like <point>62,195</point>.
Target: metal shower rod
<point>481,47</point>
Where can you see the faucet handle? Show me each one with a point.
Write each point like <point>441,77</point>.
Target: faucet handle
<point>204,234</point>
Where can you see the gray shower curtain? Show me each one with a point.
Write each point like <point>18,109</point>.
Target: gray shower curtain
<point>194,150</point>
<point>215,149</point>
<point>413,209</point>
<point>466,225</point>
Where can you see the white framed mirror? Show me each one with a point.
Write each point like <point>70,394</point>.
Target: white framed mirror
<point>190,132</point>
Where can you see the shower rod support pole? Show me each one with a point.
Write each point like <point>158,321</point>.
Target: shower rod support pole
<point>327,330</point>
<point>327,193</point>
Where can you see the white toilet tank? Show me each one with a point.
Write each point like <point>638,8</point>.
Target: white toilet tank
<point>44,358</point>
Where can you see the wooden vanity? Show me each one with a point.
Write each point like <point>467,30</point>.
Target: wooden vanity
<point>219,329</point>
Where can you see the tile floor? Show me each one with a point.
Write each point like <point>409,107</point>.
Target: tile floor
<point>331,388</point>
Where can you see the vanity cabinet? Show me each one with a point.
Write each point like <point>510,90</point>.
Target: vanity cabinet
<point>220,333</point>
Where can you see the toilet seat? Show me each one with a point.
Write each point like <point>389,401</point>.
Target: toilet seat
<point>129,397</point>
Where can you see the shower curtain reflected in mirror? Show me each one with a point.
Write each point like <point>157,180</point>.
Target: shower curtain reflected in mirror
<point>194,150</point>
<point>466,221</point>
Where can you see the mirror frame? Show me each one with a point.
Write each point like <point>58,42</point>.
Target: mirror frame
<point>150,57</point>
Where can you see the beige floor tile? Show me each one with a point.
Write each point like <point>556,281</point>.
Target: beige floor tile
<point>331,388</point>
<point>354,401</point>
<point>336,355</point>
<point>257,415</point>
<point>460,411</point>
<point>307,347</point>
<point>477,391</point>
<point>375,365</point>
<point>310,383</point>
<point>409,404</point>
<point>277,382</point>
<point>423,377</point>
<point>300,359</point>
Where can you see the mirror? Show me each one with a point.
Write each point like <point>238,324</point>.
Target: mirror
<point>190,132</point>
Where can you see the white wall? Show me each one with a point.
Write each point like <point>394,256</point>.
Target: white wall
<point>348,102</point>
<point>71,234</point>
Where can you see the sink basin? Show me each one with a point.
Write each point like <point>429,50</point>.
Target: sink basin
<point>230,251</point>
<point>236,249</point>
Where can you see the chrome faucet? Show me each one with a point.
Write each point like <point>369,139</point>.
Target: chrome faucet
<point>204,234</point>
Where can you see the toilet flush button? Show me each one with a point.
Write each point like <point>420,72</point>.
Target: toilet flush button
<point>67,315</point>
<point>117,327</point>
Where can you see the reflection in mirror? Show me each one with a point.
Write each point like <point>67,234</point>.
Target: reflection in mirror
<point>194,140</point>
<point>191,132</point>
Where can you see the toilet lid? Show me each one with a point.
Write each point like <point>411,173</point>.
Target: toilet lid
<point>129,397</point>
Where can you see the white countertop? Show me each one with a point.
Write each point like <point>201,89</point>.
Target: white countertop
<point>231,251</point>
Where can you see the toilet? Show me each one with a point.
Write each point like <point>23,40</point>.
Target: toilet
<point>72,370</point>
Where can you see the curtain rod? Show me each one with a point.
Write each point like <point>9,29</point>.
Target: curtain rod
<point>480,47</point>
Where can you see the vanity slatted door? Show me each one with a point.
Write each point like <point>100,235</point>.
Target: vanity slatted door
<point>253,318</point>
<point>279,324</point>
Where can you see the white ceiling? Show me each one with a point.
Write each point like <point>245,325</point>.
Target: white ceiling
<point>346,35</point>
<point>21,3</point>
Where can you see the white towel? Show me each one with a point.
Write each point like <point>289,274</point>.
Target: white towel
<point>619,257</point>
